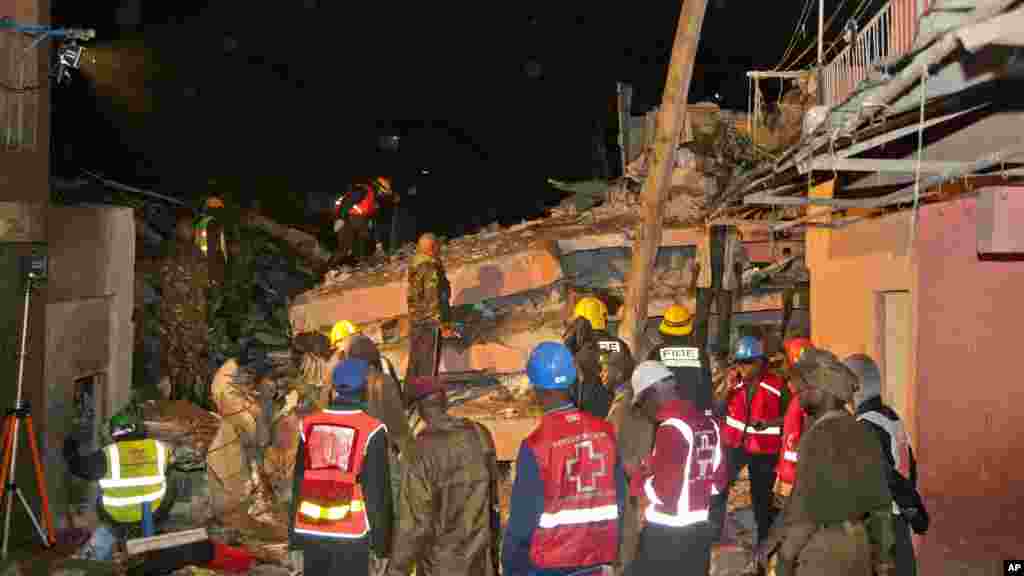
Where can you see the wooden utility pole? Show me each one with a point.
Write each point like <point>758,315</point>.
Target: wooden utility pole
<point>671,119</point>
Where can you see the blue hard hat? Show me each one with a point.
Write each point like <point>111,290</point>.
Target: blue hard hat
<point>551,367</point>
<point>749,348</point>
<point>349,376</point>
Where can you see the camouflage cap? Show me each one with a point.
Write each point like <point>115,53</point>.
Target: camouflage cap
<point>821,369</point>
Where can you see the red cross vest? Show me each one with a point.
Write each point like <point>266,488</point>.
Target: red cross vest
<point>703,458</point>
<point>575,453</point>
<point>792,427</point>
<point>765,405</point>
<point>331,502</point>
<point>367,206</point>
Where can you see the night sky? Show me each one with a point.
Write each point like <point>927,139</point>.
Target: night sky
<point>284,101</point>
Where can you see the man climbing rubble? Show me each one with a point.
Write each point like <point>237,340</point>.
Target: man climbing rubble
<point>353,212</point>
<point>341,505</point>
<point>132,474</point>
<point>681,353</point>
<point>448,510</point>
<point>566,505</point>
<point>605,361</point>
<point>838,520</point>
<point>909,512</point>
<point>753,411</point>
<point>429,297</point>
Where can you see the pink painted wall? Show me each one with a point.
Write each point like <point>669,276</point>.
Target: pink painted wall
<point>971,434</point>
<point>963,396</point>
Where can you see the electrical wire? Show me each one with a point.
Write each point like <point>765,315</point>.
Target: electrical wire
<point>824,29</point>
<point>857,13</point>
<point>793,39</point>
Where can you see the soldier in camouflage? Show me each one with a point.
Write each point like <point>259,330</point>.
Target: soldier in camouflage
<point>428,302</point>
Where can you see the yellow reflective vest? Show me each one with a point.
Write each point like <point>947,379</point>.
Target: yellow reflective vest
<point>136,473</point>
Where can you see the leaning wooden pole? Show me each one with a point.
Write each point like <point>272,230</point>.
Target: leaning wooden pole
<point>671,119</point>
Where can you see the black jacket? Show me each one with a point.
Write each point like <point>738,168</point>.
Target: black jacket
<point>692,374</point>
<point>904,490</point>
<point>375,481</point>
<point>594,350</point>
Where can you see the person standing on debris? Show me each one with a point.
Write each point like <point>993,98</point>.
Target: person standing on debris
<point>793,421</point>
<point>680,352</point>
<point>132,471</point>
<point>838,520</point>
<point>718,277</point>
<point>606,362</point>
<point>353,212</point>
<point>341,504</point>
<point>566,506</point>
<point>448,510</point>
<point>686,468</point>
<point>753,410</point>
<point>429,295</point>
<point>908,508</point>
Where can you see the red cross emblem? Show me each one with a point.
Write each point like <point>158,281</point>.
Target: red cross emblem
<point>586,467</point>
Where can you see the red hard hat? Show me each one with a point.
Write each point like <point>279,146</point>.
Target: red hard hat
<point>795,348</point>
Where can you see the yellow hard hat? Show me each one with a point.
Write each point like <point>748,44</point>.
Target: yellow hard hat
<point>214,202</point>
<point>384,183</point>
<point>677,321</point>
<point>342,330</point>
<point>594,311</point>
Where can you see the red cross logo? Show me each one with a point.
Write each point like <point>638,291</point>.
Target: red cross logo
<point>586,467</point>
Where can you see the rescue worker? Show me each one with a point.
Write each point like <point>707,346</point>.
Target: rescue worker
<point>680,352</point>
<point>448,510</point>
<point>131,470</point>
<point>838,520</point>
<point>429,297</point>
<point>752,433</point>
<point>353,212</point>
<point>606,361</point>
<point>686,468</point>
<point>341,504</point>
<point>347,339</point>
<point>567,499</point>
<point>908,508</point>
<point>793,421</point>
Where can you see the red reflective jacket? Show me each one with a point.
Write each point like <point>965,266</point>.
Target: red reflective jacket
<point>792,427</point>
<point>331,499</point>
<point>680,490</point>
<point>766,405</point>
<point>366,207</point>
<point>575,454</point>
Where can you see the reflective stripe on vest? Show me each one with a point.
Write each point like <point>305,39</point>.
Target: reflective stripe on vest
<point>737,424</point>
<point>579,516</point>
<point>120,494</point>
<point>332,512</point>
<point>683,515</point>
<point>790,455</point>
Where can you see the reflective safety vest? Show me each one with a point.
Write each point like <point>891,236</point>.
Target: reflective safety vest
<point>331,502</point>
<point>792,428</point>
<point>899,443</point>
<point>703,458</point>
<point>136,474</point>
<point>766,405</point>
<point>576,454</point>
<point>367,206</point>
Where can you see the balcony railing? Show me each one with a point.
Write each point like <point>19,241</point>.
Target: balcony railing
<point>889,34</point>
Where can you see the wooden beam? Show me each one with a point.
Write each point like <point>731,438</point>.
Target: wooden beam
<point>670,120</point>
<point>774,74</point>
<point>891,135</point>
<point>140,545</point>
<point>903,166</point>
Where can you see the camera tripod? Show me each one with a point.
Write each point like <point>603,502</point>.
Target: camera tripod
<point>23,412</point>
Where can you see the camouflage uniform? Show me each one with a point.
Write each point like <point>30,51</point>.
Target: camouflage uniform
<point>428,298</point>
<point>635,436</point>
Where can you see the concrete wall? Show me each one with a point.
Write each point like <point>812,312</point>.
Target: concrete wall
<point>961,398</point>
<point>88,316</point>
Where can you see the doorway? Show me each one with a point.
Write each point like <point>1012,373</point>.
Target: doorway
<point>895,312</point>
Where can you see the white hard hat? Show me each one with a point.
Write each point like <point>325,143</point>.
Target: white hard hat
<point>647,374</point>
